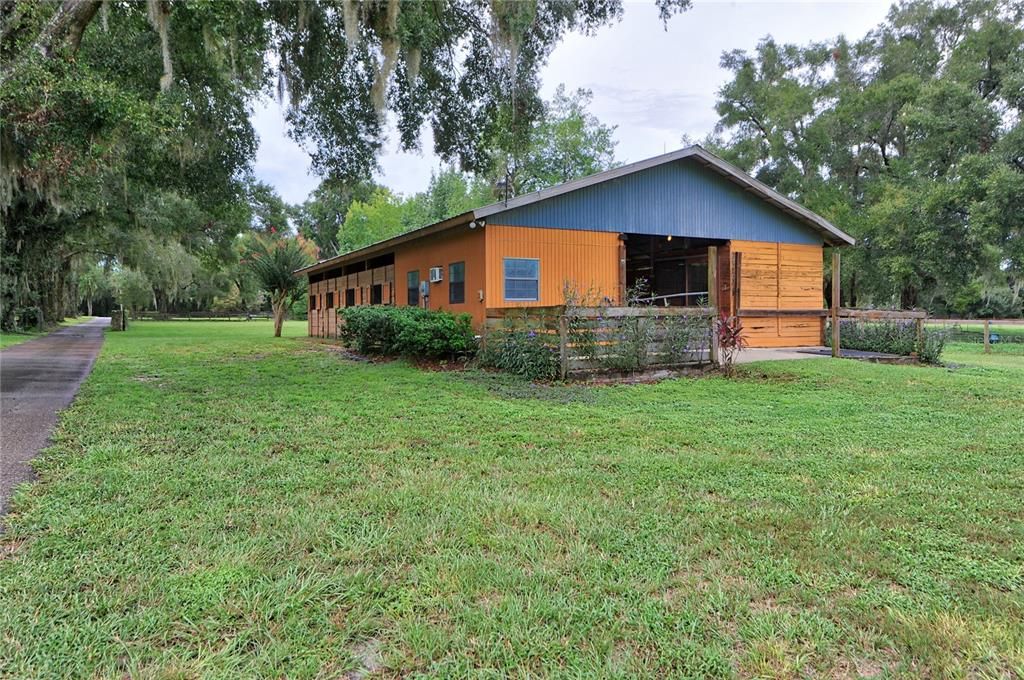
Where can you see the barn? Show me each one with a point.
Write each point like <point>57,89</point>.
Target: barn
<point>656,221</point>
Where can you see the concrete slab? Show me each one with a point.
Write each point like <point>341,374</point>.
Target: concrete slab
<point>751,355</point>
<point>786,353</point>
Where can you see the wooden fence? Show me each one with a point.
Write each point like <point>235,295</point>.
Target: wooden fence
<point>837,313</point>
<point>196,316</point>
<point>593,339</point>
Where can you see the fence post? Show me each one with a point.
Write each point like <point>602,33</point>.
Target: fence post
<point>713,300</point>
<point>563,346</point>
<point>836,293</point>
<point>988,344</point>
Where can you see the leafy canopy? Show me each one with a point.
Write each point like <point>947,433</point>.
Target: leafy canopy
<point>909,139</point>
<point>110,109</point>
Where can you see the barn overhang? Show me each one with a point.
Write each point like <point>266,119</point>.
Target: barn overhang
<point>381,247</point>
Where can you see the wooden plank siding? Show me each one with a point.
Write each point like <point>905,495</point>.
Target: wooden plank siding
<point>323,321</point>
<point>589,260</point>
<point>784,277</point>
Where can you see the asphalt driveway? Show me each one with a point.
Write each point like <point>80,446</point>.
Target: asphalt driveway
<point>38,378</point>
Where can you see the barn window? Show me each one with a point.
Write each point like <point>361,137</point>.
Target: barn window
<point>522,279</point>
<point>350,297</point>
<point>412,282</point>
<point>330,300</point>
<point>312,302</point>
<point>457,283</point>
<point>377,294</point>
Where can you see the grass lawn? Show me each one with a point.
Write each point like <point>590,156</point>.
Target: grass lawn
<point>8,339</point>
<point>218,503</point>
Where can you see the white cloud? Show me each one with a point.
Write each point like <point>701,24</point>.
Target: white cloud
<point>281,162</point>
<point>655,85</point>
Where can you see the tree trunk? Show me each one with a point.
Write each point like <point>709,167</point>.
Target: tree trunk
<point>88,306</point>
<point>279,309</point>
<point>908,297</point>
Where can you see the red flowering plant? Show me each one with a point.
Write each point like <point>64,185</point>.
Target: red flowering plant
<point>729,330</point>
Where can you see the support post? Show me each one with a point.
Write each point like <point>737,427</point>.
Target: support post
<point>737,282</point>
<point>563,346</point>
<point>622,271</point>
<point>713,299</point>
<point>988,343</point>
<point>836,301</point>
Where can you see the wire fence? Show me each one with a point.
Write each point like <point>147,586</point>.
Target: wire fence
<point>976,330</point>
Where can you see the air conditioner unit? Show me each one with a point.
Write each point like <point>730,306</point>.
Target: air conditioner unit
<point>436,274</point>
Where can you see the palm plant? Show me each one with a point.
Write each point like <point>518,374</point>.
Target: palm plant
<point>273,262</point>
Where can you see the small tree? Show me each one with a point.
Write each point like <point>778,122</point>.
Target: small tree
<point>273,262</point>
<point>133,290</point>
<point>93,283</point>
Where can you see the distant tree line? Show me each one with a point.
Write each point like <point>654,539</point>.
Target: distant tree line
<point>910,139</point>
<point>126,147</point>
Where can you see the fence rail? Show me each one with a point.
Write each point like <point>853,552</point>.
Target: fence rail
<point>838,312</point>
<point>981,331</point>
<point>593,339</point>
<point>881,314</point>
<point>198,316</point>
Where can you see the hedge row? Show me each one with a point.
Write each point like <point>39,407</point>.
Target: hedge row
<point>890,337</point>
<point>407,331</point>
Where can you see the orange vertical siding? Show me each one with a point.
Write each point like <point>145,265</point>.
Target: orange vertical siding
<point>460,244</point>
<point>780,276</point>
<point>588,260</point>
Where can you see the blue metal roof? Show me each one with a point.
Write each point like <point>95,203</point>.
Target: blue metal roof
<point>688,192</point>
<point>682,197</point>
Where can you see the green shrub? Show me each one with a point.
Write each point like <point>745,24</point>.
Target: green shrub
<point>687,338</point>
<point>522,352</point>
<point>934,341</point>
<point>890,337</point>
<point>627,340</point>
<point>435,334</point>
<point>407,331</point>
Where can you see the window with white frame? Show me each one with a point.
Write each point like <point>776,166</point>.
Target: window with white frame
<point>522,279</point>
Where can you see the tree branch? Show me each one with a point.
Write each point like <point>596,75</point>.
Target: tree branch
<point>754,120</point>
<point>66,26</point>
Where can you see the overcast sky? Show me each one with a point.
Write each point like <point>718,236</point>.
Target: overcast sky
<point>655,85</point>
